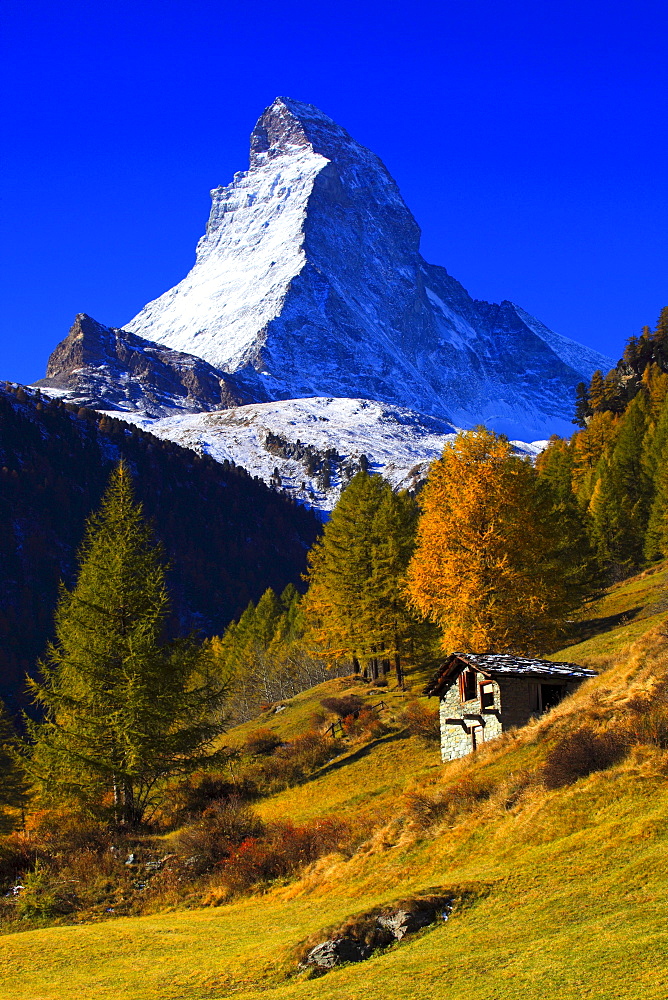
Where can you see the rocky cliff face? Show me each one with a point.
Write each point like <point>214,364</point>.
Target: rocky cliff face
<point>102,367</point>
<point>309,281</point>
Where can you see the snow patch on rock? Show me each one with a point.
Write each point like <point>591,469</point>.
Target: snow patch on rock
<point>395,441</point>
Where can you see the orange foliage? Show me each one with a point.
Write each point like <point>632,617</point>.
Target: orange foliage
<point>484,568</point>
<point>588,446</point>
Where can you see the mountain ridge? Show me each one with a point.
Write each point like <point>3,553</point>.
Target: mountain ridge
<point>108,368</point>
<point>309,280</point>
<point>310,448</point>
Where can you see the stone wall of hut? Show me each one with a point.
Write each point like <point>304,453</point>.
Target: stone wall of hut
<point>515,704</point>
<point>456,737</point>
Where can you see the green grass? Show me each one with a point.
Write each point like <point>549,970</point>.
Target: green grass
<point>364,781</point>
<point>623,614</point>
<point>573,904</point>
<point>570,888</point>
<point>295,717</point>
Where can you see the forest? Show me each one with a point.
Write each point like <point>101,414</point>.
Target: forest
<point>226,536</point>
<point>130,697</point>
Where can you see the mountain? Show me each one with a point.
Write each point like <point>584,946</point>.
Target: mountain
<point>227,537</point>
<point>309,282</point>
<point>106,368</point>
<point>311,448</point>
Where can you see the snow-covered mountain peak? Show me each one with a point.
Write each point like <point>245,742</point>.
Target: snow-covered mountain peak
<point>309,282</point>
<point>286,125</point>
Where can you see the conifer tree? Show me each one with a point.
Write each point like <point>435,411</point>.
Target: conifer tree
<point>123,708</point>
<point>355,606</point>
<point>632,353</point>
<point>12,778</point>
<point>597,391</point>
<point>605,519</point>
<point>340,566</point>
<point>656,536</point>
<point>575,555</point>
<point>659,340</point>
<point>582,407</point>
<point>290,625</point>
<point>588,446</point>
<point>645,351</point>
<point>655,384</point>
<point>485,566</point>
<point>621,501</point>
<point>396,625</point>
<point>614,396</point>
<point>264,654</point>
<point>655,465</point>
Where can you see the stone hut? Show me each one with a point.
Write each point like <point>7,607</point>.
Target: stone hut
<point>483,695</point>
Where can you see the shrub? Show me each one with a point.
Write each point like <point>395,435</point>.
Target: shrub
<point>283,850</point>
<point>64,831</point>
<point>647,721</point>
<point>422,721</point>
<point>189,798</point>
<point>349,704</point>
<point>367,724</point>
<point>45,894</point>
<point>294,761</point>
<point>581,753</point>
<point>262,742</point>
<point>17,856</point>
<point>428,807</point>
<point>223,826</point>
<point>317,720</point>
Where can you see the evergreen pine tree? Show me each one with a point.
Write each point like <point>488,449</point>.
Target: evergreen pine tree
<point>659,340</point>
<point>655,384</point>
<point>397,628</point>
<point>290,626</point>
<point>656,536</point>
<point>587,447</point>
<point>355,606</point>
<point>123,708</point>
<point>632,353</point>
<point>645,349</point>
<point>340,566</point>
<point>621,503</point>
<point>575,554</point>
<point>605,519</point>
<point>614,397</point>
<point>582,407</point>
<point>12,778</point>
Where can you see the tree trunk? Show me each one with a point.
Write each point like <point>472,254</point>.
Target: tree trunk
<point>129,817</point>
<point>117,802</point>
<point>399,672</point>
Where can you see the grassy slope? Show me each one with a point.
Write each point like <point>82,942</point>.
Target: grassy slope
<point>572,896</point>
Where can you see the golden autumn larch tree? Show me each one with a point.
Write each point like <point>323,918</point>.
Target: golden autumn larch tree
<point>485,568</point>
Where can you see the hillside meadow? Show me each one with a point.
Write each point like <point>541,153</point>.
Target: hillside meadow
<point>559,876</point>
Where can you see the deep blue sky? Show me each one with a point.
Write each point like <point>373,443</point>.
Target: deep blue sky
<point>528,139</point>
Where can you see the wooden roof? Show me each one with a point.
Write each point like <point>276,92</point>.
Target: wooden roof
<point>501,665</point>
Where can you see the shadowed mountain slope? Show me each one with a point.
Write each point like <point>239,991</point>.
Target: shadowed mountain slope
<point>226,535</point>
